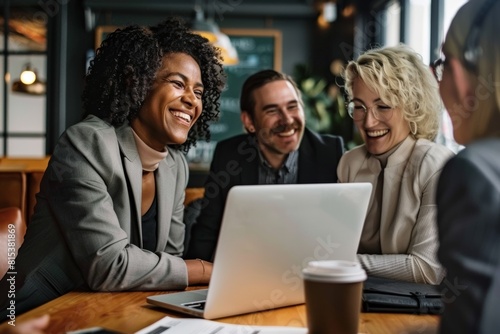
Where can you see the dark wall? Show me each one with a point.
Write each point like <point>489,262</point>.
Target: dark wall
<point>68,41</point>
<point>296,32</point>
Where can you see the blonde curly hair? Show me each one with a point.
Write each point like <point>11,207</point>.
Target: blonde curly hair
<point>401,79</point>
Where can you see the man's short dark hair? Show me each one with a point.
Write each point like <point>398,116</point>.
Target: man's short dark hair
<point>257,80</point>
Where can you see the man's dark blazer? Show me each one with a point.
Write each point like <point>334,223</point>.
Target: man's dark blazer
<point>236,162</point>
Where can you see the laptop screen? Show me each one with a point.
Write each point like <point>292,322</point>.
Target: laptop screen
<point>268,234</point>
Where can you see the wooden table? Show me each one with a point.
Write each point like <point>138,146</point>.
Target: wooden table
<point>129,312</point>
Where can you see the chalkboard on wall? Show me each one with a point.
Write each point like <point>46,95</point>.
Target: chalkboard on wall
<point>101,32</point>
<point>258,49</point>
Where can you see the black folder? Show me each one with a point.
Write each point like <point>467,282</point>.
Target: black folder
<point>394,296</point>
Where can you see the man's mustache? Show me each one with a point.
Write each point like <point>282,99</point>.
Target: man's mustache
<point>285,128</point>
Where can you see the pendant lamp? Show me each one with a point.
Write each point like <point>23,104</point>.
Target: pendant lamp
<point>29,82</point>
<point>209,29</point>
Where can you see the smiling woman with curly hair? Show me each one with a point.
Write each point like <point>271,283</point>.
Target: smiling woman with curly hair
<point>109,214</point>
<point>395,105</point>
<point>125,66</point>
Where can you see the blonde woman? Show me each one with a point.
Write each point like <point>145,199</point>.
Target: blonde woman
<point>395,104</point>
<point>468,195</point>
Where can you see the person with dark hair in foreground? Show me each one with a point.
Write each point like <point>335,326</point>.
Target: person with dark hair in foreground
<point>276,149</point>
<point>468,195</point>
<point>109,214</point>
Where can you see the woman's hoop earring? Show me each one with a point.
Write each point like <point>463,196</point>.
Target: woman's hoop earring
<point>413,127</point>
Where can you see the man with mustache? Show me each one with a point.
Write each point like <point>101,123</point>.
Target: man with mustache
<point>277,149</point>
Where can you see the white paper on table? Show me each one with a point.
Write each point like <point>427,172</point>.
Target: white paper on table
<point>170,325</point>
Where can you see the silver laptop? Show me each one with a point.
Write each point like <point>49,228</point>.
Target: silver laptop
<point>268,234</point>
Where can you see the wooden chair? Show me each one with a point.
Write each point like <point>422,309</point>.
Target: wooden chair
<point>21,176</point>
<point>12,230</point>
<point>33,182</point>
<point>13,190</point>
<point>192,194</point>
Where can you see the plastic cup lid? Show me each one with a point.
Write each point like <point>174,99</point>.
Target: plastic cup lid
<point>334,271</point>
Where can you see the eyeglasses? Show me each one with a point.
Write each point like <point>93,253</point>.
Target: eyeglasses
<point>438,68</point>
<point>358,111</point>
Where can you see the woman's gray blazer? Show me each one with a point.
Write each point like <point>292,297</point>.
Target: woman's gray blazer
<point>86,229</point>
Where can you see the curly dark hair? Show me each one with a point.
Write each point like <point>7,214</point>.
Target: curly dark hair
<point>124,68</point>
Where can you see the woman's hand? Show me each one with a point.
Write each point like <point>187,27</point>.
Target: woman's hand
<point>31,326</point>
<point>199,272</point>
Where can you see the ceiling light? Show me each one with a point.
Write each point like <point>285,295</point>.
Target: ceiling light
<point>329,11</point>
<point>28,76</point>
<point>209,29</point>
<point>205,28</point>
<point>227,49</point>
<point>29,82</point>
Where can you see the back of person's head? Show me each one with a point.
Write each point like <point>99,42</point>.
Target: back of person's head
<point>257,80</point>
<point>401,79</point>
<point>124,68</point>
<point>474,32</point>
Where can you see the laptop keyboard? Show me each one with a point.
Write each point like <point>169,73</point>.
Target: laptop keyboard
<point>199,305</point>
